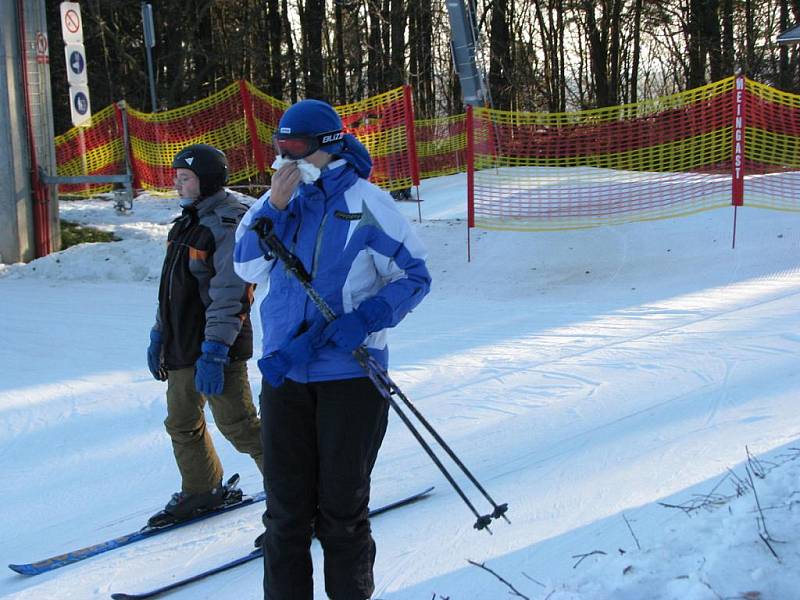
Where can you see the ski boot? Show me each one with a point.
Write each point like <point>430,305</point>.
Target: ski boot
<point>183,506</point>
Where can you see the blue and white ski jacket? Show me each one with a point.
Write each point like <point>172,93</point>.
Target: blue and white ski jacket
<point>355,244</point>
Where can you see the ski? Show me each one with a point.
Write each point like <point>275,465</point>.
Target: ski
<point>257,553</point>
<point>68,558</point>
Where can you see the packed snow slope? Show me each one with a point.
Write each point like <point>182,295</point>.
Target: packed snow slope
<point>608,384</point>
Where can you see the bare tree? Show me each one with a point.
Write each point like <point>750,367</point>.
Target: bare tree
<point>312,21</point>
<point>500,49</point>
<point>421,57</point>
<point>603,37</point>
<point>636,51</point>
<point>397,66</point>
<point>550,20</point>
<point>375,50</point>
<point>553,55</point>
<point>341,69</point>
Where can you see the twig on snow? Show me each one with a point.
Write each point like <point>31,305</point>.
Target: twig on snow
<point>740,485</point>
<point>514,590</point>
<point>706,500</point>
<point>585,556</point>
<point>533,580</point>
<point>771,549</point>
<point>761,521</point>
<point>758,465</point>
<point>635,539</point>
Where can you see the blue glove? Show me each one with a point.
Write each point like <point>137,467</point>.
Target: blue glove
<point>350,330</point>
<point>299,351</point>
<point>209,370</point>
<point>154,356</point>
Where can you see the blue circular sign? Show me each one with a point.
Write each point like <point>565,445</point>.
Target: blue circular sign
<point>81,103</point>
<point>76,62</point>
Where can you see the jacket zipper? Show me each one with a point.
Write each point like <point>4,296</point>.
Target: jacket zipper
<point>181,249</point>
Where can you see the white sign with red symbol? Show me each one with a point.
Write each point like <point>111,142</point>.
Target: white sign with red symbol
<point>71,25</point>
<point>42,50</point>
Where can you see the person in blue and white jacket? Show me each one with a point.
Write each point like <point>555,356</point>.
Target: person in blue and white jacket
<point>322,418</point>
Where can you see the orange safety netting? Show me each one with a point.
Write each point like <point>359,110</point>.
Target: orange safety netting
<point>94,150</point>
<point>263,113</point>
<point>771,148</point>
<point>659,158</point>
<point>382,123</point>
<point>441,145</point>
<point>734,141</point>
<point>155,138</point>
<point>240,120</point>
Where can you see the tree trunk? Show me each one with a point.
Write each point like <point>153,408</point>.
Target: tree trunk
<point>499,49</point>
<point>598,53</point>
<point>562,74</point>
<point>713,34</point>
<point>637,29</point>
<point>784,74</point>
<point>613,27</point>
<point>427,70</point>
<point>274,23</point>
<point>415,51</point>
<point>386,41</point>
<point>548,35</point>
<point>374,48</point>
<point>290,53</point>
<point>705,48</point>
<point>728,53</point>
<point>398,40</point>
<point>341,68</point>
<point>313,20</point>
<point>749,39</point>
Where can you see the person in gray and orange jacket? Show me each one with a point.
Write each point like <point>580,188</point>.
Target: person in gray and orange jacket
<point>202,336</point>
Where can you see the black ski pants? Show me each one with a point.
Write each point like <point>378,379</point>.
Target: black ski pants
<point>320,444</point>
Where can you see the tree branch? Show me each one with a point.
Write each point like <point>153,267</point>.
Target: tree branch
<point>585,556</point>
<point>514,590</point>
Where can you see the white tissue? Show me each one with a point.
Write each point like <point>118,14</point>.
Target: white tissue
<point>308,172</point>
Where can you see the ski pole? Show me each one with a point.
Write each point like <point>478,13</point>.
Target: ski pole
<point>499,509</point>
<point>380,378</point>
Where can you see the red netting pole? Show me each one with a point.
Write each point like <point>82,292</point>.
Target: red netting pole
<point>247,104</point>
<point>737,180</point>
<point>470,175</point>
<point>41,202</point>
<point>411,138</point>
<point>737,191</point>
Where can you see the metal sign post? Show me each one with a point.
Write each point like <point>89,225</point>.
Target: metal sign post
<point>75,55</point>
<point>149,42</point>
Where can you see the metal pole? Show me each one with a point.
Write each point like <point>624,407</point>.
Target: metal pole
<point>149,42</point>
<point>127,204</point>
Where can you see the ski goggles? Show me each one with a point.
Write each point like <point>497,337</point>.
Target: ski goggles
<point>296,147</point>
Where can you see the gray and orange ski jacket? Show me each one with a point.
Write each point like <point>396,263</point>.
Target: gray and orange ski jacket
<point>200,296</point>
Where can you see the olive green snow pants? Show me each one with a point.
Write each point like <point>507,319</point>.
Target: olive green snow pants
<point>235,417</point>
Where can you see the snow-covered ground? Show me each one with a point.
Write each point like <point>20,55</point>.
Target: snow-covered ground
<point>623,389</point>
